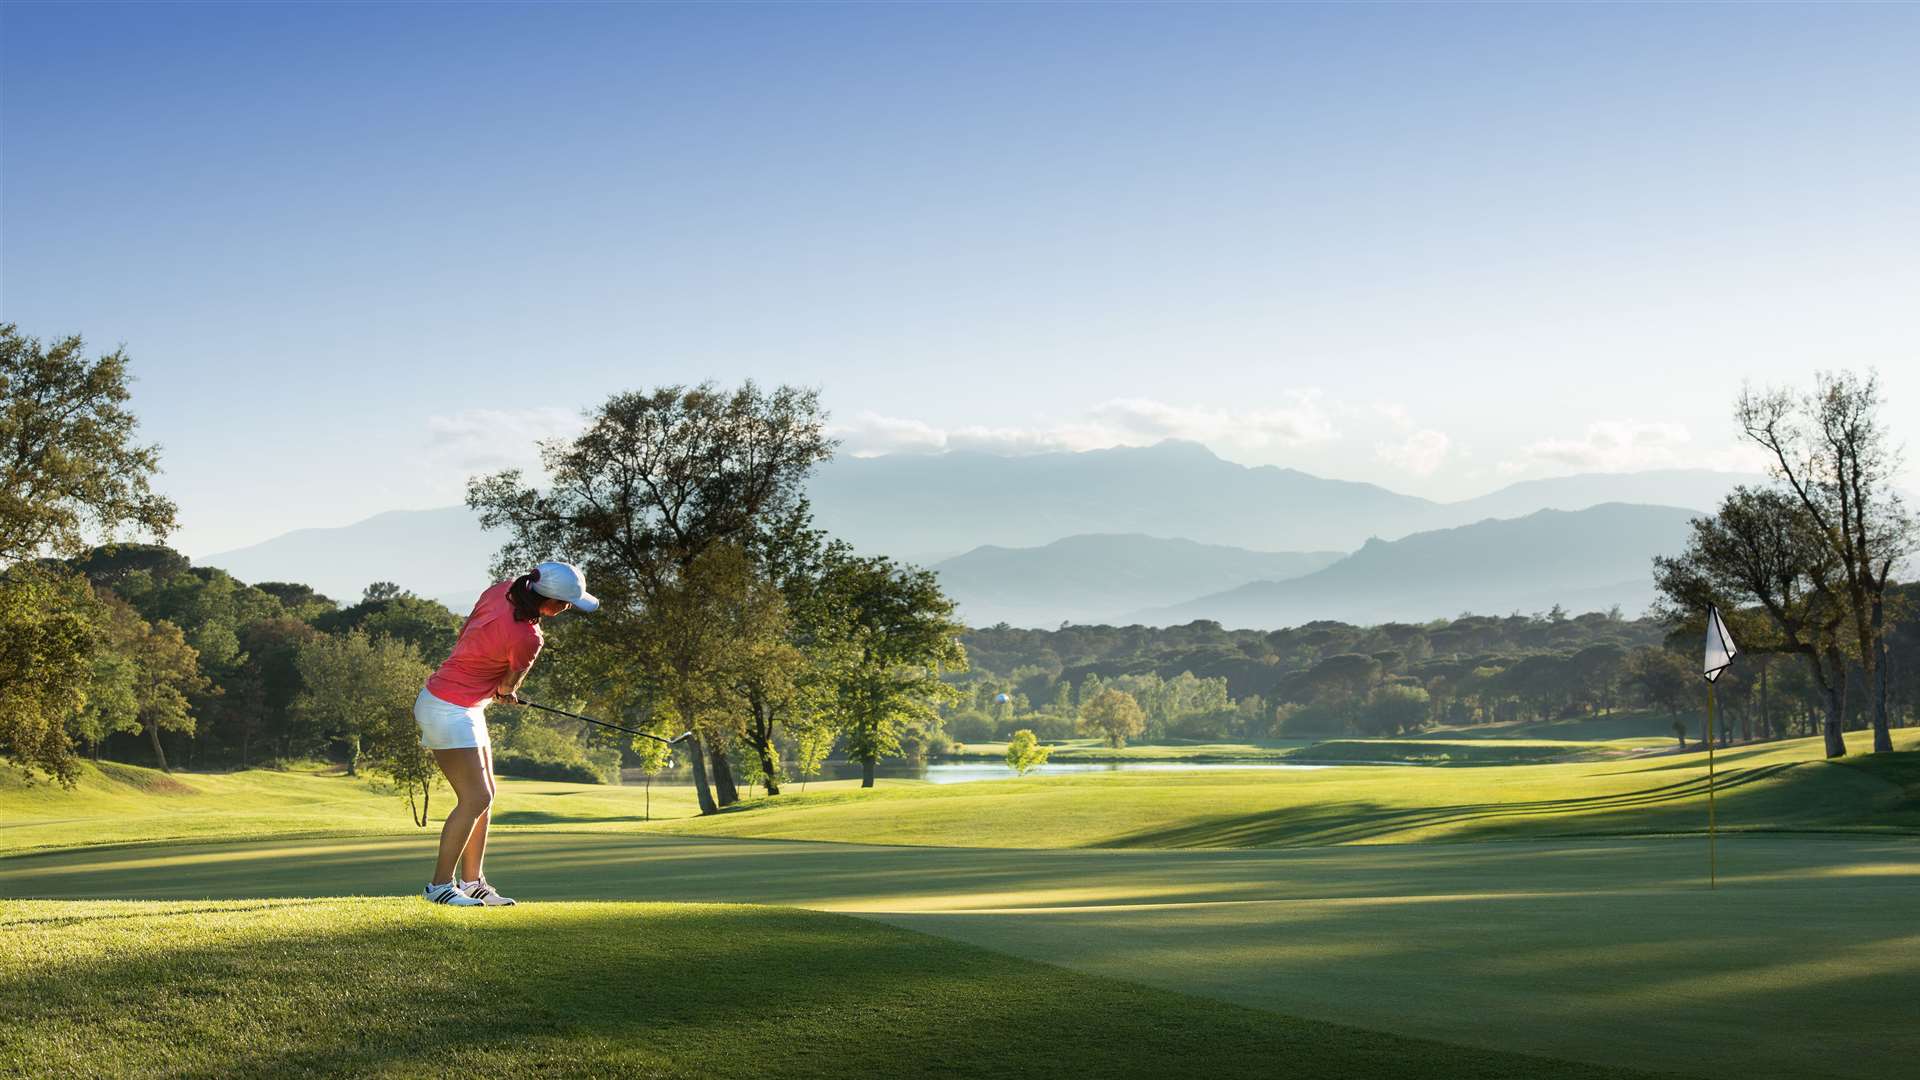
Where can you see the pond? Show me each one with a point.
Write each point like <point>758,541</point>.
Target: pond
<point>969,771</point>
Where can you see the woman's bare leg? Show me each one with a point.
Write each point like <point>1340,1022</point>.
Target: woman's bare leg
<point>475,853</point>
<point>467,771</point>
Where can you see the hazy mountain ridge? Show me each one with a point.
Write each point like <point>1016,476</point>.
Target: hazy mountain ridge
<point>1095,578</point>
<point>1586,559</point>
<point>930,509</point>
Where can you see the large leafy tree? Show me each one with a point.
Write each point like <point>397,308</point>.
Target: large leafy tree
<point>797,689</point>
<point>655,481</point>
<point>48,642</point>
<point>167,672</point>
<point>71,469</point>
<point>1762,560</point>
<point>1834,457</point>
<point>1114,715</point>
<point>357,690</point>
<point>903,638</point>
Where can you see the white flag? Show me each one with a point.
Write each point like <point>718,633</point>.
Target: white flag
<point>1720,647</point>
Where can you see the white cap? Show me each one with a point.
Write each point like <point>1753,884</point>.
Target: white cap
<point>563,581</point>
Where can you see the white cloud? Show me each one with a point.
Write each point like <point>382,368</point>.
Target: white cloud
<point>483,440</point>
<point>1298,420</point>
<point>1613,446</point>
<point>1420,453</point>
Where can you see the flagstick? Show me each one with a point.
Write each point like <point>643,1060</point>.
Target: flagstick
<point>1713,873</point>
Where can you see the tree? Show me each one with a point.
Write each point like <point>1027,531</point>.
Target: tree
<point>1024,752</point>
<point>653,756</point>
<point>655,480</point>
<point>903,638</point>
<point>1393,708</point>
<point>796,684</point>
<point>1832,453</point>
<point>1661,677</point>
<point>1763,550</point>
<point>168,671</point>
<point>707,627</point>
<point>388,611</point>
<point>70,470</point>
<point>1115,716</point>
<point>69,466</point>
<point>49,641</point>
<point>357,689</point>
<point>811,746</point>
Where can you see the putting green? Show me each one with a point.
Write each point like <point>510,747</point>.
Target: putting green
<point>1604,951</point>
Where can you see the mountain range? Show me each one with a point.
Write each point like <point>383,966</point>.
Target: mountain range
<point>1583,560</point>
<point>1029,538</point>
<point>930,507</point>
<point>1096,578</point>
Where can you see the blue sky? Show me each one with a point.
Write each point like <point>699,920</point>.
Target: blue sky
<point>358,252</point>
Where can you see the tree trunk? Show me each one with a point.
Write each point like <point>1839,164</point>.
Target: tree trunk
<point>353,756</point>
<point>700,789</point>
<point>1836,722</point>
<point>866,772</point>
<point>153,732</point>
<point>760,735</point>
<point>1882,737</point>
<point>723,788</point>
<point>770,769</point>
<point>1766,712</point>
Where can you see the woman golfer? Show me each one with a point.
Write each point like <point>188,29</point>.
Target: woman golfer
<point>490,660</point>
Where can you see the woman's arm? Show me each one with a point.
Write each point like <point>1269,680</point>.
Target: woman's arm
<point>509,688</point>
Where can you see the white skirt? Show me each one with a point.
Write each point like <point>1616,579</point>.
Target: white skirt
<point>446,726</point>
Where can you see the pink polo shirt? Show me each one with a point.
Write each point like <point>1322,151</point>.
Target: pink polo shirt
<point>492,649</point>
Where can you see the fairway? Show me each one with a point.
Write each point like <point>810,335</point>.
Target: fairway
<point>396,988</point>
<point>1582,932</point>
<point>1606,951</point>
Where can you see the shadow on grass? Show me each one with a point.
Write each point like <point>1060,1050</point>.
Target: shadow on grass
<point>1339,823</point>
<point>396,990</point>
<point>544,817</point>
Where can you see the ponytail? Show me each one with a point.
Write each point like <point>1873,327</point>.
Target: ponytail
<point>526,603</point>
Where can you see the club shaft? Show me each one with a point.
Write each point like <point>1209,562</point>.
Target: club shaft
<point>602,723</point>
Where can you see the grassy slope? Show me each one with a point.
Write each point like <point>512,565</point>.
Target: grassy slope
<point>386,988</point>
<point>1778,786</point>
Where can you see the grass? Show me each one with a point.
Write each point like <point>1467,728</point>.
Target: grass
<point>390,988</point>
<point>1784,786</point>
<point>1608,951</point>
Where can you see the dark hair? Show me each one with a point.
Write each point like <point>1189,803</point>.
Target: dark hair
<point>526,603</point>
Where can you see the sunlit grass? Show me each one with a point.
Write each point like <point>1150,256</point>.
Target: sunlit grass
<point>401,988</point>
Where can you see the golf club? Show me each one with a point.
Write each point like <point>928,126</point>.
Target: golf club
<point>675,741</point>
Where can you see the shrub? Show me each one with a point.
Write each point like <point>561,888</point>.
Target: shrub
<point>536,752</point>
<point>970,725</point>
<point>1315,719</point>
<point>1024,752</point>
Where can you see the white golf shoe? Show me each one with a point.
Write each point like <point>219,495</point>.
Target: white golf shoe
<point>485,893</point>
<point>449,894</point>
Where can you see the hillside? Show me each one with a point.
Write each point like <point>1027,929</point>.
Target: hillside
<point>1583,560</point>
<point>1095,578</point>
<point>929,507</point>
<point>435,553</point>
